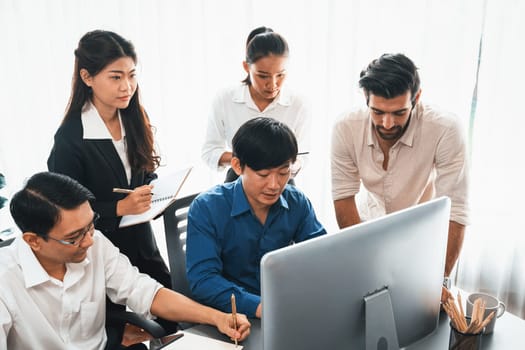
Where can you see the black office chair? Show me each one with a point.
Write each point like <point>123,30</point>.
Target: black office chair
<point>150,326</point>
<point>175,225</point>
<point>6,242</point>
<point>114,335</point>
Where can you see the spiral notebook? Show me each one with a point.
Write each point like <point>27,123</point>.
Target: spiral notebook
<point>165,191</point>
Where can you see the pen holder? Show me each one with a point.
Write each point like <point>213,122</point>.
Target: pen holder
<point>464,341</point>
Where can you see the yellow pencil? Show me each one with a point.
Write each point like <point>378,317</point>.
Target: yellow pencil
<point>234,315</point>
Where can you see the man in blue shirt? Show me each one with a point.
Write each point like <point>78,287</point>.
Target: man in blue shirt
<point>231,226</point>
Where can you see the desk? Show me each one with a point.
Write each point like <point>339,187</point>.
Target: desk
<point>508,334</point>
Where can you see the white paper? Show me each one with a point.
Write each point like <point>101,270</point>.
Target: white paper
<point>192,341</point>
<point>165,191</point>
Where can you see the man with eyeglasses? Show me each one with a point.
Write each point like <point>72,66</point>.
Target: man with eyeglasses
<point>400,151</point>
<point>232,225</point>
<point>56,276</point>
<point>74,238</point>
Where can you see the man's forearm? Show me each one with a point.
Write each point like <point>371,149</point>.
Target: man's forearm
<point>346,212</point>
<point>176,307</point>
<point>456,234</point>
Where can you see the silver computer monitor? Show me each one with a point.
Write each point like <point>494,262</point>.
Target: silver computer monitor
<point>368,286</point>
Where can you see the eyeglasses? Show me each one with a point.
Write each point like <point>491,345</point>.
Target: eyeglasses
<point>295,168</point>
<point>75,241</point>
<point>289,171</point>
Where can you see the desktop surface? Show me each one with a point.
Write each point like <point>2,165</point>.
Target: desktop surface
<point>509,334</point>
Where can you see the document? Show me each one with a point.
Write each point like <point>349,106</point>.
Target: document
<point>165,191</point>
<point>192,341</point>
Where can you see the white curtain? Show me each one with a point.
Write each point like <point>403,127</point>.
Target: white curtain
<point>188,49</point>
<point>493,258</point>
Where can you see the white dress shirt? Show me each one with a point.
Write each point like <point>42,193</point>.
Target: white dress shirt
<point>431,153</point>
<point>40,312</point>
<point>234,106</point>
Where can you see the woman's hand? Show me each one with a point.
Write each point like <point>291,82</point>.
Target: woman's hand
<point>136,202</point>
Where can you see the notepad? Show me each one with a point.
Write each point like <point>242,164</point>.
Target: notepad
<point>165,191</point>
<point>191,341</point>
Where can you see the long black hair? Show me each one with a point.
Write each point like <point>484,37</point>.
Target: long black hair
<point>97,49</point>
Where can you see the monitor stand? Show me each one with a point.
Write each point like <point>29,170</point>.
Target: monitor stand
<point>380,330</point>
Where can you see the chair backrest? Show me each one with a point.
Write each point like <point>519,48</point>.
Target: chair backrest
<point>175,225</point>
<point>6,242</point>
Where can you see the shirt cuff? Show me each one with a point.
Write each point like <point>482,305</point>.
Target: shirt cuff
<point>248,304</point>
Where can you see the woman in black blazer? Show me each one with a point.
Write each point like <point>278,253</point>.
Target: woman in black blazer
<point>106,141</point>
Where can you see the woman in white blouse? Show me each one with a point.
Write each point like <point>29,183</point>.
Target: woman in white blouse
<point>261,94</point>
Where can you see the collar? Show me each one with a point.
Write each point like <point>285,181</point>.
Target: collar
<point>241,94</point>
<point>408,136</point>
<point>370,135</point>
<point>33,272</point>
<point>240,203</point>
<point>93,124</point>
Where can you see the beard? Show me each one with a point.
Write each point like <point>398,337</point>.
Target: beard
<point>393,134</point>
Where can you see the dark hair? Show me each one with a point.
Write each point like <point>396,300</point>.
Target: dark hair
<point>263,143</point>
<point>36,208</point>
<point>389,76</point>
<point>263,42</point>
<point>95,51</point>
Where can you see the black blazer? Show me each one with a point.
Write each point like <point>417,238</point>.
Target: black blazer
<point>96,164</point>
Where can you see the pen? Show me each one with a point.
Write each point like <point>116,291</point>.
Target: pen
<point>122,190</point>
<point>234,315</point>
<point>302,153</point>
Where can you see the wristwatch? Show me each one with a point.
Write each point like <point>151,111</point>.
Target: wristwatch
<point>447,282</point>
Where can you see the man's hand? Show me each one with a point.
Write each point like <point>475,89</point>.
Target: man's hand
<point>258,311</point>
<point>225,325</point>
<point>134,335</point>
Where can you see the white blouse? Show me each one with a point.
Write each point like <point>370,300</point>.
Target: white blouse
<point>94,128</point>
<point>234,106</point>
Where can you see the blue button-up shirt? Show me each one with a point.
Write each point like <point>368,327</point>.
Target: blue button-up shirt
<point>226,242</point>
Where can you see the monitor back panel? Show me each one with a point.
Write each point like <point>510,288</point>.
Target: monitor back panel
<point>312,292</point>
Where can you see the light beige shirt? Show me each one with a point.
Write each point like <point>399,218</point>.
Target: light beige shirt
<point>40,312</point>
<point>431,154</point>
